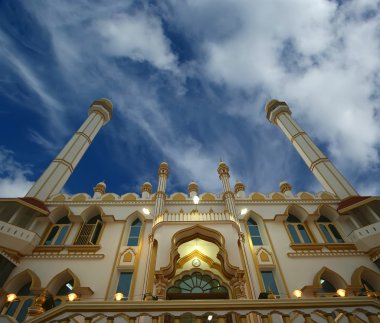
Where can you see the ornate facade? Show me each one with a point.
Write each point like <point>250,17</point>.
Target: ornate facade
<point>190,257</point>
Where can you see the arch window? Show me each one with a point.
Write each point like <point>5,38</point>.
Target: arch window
<point>367,286</point>
<point>90,232</point>
<point>269,282</point>
<point>124,284</point>
<point>326,286</point>
<point>195,286</point>
<point>254,232</point>
<point>58,232</point>
<point>298,231</point>
<point>329,230</point>
<point>19,308</point>
<point>64,290</point>
<point>134,234</point>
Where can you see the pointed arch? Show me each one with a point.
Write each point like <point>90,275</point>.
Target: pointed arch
<point>369,275</point>
<point>331,276</point>
<point>253,215</point>
<point>60,212</point>
<point>207,234</point>
<point>63,277</point>
<point>298,211</point>
<point>327,211</point>
<point>22,278</point>
<point>91,212</point>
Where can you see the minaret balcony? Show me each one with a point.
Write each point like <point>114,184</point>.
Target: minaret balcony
<point>17,239</point>
<point>367,237</point>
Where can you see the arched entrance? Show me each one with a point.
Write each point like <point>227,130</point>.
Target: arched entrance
<point>197,285</point>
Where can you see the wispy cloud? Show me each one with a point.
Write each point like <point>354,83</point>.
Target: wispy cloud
<point>13,175</point>
<point>189,81</point>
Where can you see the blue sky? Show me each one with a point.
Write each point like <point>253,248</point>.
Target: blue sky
<point>189,81</point>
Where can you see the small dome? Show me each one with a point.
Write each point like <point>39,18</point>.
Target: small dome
<point>192,187</point>
<point>102,183</point>
<point>285,187</point>
<point>164,168</point>
<point>105,103</point>
<point>100,187</point>
<point>239,186</point>
<point>146,187</point>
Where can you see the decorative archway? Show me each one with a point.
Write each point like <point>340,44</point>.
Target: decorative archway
<point>233,274</point>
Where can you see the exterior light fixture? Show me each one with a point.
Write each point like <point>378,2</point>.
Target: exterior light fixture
<point>341,292</point>
<point>244,211</point>
<point>72,297</point>
<point>146,211</point>
<point>297,293</point>
<point>11,297</point>
<point>196,199</point>
<point>118,296</point>
<point>209,318</point>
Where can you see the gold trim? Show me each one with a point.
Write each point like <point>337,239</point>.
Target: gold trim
<point>356,205</point>
<point>306,246</point>
<point>116,260</point>
<point>278,264</point>
<point>85,136</point>
<point>152,268</point>
<point>137,263</point>
<point>205,233</point>
<point>181,307</point>
<point>65,163</point>
<point>300,133</point>
<point>254,257</point>
<point>83,248</point>
<point>318,161</point>
<point>49,248</point>
<point>246,270</point>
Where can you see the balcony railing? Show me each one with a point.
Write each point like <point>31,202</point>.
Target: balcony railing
<point>18,239</point>
<point>355,309</point>
<point>193,216</point>
<point>367,237</point>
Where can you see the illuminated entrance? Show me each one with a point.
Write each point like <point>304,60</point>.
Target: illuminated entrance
<point>197,286</point>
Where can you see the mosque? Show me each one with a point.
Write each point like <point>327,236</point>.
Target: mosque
<point>190,257</point>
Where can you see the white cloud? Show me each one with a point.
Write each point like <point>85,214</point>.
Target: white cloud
<point>13,175</point>
<point>139,37</point>
<point>329,78</point>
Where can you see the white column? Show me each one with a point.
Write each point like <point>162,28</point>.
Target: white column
<point>228,196</point>
<point>322,168</point>
<point>163,174</point>
<point>56,175</point>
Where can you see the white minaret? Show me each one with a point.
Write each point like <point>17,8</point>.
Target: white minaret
<point>56,175</point>
<point>228,196</point>
<point>326,173</point>
<point>163,174</point>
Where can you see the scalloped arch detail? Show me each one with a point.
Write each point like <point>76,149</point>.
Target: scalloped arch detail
<point>178,197</point>
<point>129,197</point>
<point>208,197</point>
<point>258,197</point>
